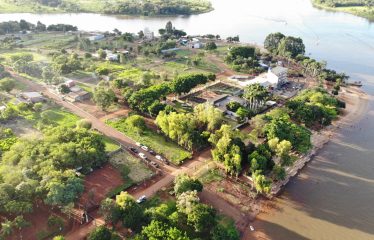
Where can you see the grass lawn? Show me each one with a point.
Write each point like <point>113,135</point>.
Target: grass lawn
<point>212,175</point>
<point>86,87</point>
<point>130,167</point>
<point>110,145</point>
<point>155,141</point>
<point>58,116</point>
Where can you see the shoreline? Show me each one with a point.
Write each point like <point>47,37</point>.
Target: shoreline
<point>357,103</point>
<point>350,115</point>
<point>348,10</point>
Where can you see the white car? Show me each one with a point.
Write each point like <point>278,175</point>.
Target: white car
<point>158,157</point>
<point>145,148</point>
<point>138,144</point>
<point>141,199</point>
<point>142,155</point>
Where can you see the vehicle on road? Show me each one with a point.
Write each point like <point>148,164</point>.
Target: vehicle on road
<point>155,164</point>
<point>133,150</point>
<point>145,148</point>
<point>141,199</point>
<point>158,157</point>
<point>138,144</point>
<point>152,152</point>
<point>142,156</point>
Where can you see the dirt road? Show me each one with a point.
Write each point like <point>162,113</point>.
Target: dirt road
<point>197,162</point>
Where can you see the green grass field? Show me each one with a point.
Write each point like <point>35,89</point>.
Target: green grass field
<point>155,141</point>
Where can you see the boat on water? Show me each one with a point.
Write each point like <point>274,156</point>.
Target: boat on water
<point>356,83</point>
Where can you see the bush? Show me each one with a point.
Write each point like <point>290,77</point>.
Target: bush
<point>84,123</point>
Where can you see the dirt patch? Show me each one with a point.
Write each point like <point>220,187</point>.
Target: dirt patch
<point>98,184</point>
<point>38,219</point>
<point>236,194</point>
<point>22,128</point>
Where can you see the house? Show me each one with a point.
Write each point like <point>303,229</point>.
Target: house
<point>96,37</point>
<point>69,83</point>
<point>110,56</point>
<point>32,97</point>
<point>77,96</point>
<point>148,35</point>
<point>195,43</point>
<point>274,78</point>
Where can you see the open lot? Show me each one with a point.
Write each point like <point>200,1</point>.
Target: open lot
<point>130,166</point>
<point>99,183</point>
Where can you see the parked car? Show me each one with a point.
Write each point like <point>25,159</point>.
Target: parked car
<point>142,155</point>
<point>138,144</point>
<point>154,164</point>
<point>145,148</point>
<point>141,199</point>
<point>133,150</point>
<point>158,157</point>
<point>152,152</point>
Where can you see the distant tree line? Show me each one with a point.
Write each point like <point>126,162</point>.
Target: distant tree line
<point>21,26</point>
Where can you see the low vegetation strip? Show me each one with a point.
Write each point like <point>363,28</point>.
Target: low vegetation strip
<point>148,137</point>
<point>362,8</point>
<point>127,7</point>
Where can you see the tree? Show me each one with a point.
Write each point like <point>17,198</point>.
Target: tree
<point>40,27</point>
<point>103,97</point>
<point>290,47</point>
<point>132,216</point>
<point>261,183</point>
<point>210,46</point>
<point>102,53</point>
<point>100,233</point>
<point>157,230</point>
<point>6,228</point>
<point>228,149</point>
<point>110,210</point>
<point>202,218</point>
<point>19,222</point>
<point>272,42</point>
<point>63,89</point>
<point>187,201</point>
<point>255,92</point>
<point>184,183</point>
<point>169,27</point>
<point>279,172</point>
<point>84,123</point>
<point>229,232</point>
<point>136,123</point>
<point>7,84</point>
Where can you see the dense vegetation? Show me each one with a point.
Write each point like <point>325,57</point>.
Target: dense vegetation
<point>183,219</point>
<point>128,7</point>
<point>243,59</point>
<point>45,169</point>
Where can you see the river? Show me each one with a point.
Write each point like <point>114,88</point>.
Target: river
<point>332,197</point>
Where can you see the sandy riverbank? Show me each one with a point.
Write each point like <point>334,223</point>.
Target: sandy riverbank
<point>357,104</point>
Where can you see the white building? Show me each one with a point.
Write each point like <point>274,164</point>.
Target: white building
<point>195,43</point>
<point>148,34</point>
<point>96,37</point>
<point>274,78</point>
